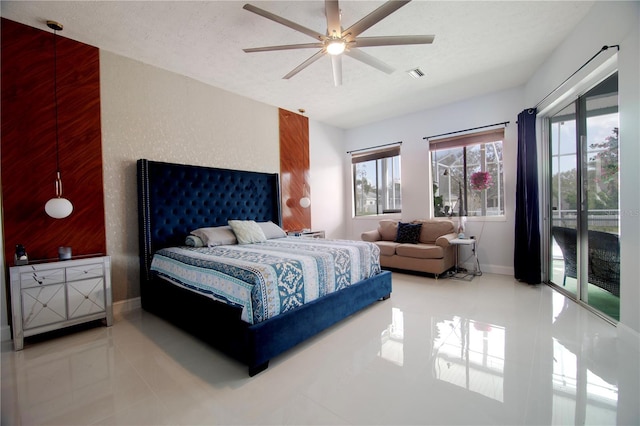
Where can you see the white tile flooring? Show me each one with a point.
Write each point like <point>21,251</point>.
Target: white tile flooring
<point>489,351</point>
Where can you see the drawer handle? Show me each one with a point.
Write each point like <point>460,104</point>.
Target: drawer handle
<point>86,297</point>
<point>44,305</point>
<point>35,277</point>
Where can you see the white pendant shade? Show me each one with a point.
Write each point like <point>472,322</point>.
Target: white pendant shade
<point>58,208</point>
<point>305,202</point>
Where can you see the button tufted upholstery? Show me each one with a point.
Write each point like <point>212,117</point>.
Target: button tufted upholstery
<point>174,199</point>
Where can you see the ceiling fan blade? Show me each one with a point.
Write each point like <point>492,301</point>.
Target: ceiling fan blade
<point>284,47</point>
<point>305,64</point>
<point>332,10</point>
<point>374,17</point>
<point>283,21</point>
<point>393,40</point>
<point>336,64</point>
<point>369,60</point>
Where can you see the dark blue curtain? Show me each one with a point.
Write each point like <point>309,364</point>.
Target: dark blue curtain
<point>526,262</point>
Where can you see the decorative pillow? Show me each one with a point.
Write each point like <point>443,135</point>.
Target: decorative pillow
<point>408,233</point>
<point>216,236</point>
<point>247,231</point>
<point>271,230</point>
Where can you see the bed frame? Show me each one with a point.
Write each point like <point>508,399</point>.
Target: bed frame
<point>174,199</point>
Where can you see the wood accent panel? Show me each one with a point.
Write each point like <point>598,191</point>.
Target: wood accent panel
<point>294,169</point>
<point>28,143</point>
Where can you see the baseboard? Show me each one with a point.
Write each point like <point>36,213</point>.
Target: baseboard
<point>122,306</point>
<point>489,269</point>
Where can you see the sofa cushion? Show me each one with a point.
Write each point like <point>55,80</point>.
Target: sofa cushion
<point>432,229</point>
<point>388,229</point>
<point>408,233</point>
<point>420,251</point>
<point>371,236</point>
<point>444,241</point>
<point>387,248</point>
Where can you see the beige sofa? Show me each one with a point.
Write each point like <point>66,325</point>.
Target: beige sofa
<point>432,254</point>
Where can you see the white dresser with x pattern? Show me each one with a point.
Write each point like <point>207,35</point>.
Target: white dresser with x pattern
<point>48,296</point>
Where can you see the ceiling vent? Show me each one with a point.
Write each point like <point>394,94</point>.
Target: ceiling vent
<point>416,73</point>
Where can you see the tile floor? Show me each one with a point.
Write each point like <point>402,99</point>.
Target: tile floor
<point>489,351</point>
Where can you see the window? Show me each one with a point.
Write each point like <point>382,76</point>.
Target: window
<point>376,182</point>
<point>467,173</point>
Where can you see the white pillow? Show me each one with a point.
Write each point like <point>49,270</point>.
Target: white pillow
<point>247,231</point>
<point>271,230</point>
<point>216,236</point>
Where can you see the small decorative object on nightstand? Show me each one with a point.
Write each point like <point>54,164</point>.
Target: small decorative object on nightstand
<point>462,274</point>
<point>21,257</point>
<point>64,253</point>
<point>47,296</point>
<point>306,233</point>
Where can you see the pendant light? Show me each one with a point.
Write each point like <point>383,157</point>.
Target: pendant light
<point>305,201</point>
<point>57,207</point>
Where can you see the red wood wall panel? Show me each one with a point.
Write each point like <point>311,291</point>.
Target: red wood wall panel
<point>294,170</point>
<point>28,143</point>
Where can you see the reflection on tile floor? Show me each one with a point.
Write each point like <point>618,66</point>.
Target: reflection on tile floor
<point>489,351</point>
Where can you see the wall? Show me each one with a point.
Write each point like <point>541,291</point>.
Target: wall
<point>327,177</point>
<point>294,170</point>
<point>416,201</point>
<point>29,143</point>
<point>29,153</point>
<point>155,114</point>
<point>610,23</point>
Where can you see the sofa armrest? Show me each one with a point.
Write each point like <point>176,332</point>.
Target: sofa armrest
<point>371,236</point>
<point>443,241</point>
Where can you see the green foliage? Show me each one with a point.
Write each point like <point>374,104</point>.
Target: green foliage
<point>602,179</point>
<point>604,173</point>
<point>438,203</point>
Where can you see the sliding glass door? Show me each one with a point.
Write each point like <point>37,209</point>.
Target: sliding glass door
<point>584,252</point>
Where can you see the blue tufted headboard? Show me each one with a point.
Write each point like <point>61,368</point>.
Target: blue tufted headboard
<point>174,199</point>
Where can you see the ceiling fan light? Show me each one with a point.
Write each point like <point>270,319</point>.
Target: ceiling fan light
<point>336,47</point>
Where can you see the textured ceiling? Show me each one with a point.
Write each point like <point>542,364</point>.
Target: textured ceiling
<point>479,47</point>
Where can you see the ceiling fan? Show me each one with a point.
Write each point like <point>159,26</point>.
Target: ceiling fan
<point>337,42</point>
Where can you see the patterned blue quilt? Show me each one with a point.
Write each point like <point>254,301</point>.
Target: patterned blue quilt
<point>269,278</point>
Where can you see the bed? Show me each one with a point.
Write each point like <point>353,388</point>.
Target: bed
<point>173,200</point>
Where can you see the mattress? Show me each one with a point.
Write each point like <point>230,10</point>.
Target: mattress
<point>272,277</point>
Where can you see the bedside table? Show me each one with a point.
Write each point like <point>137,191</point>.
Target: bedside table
<point>306,234</point>
<point>52,295</point>
<point>466,242</point>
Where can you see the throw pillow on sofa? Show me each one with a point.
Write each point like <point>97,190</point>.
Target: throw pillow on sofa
<point>408,233</point>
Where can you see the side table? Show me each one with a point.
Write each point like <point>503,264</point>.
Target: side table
<point>51,295</point>
<point>468,276</point>
<point>306,234</point>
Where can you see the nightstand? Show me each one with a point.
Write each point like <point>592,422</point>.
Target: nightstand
<point>466,242</point>
<point>306,234</point>
<point>48,296</point>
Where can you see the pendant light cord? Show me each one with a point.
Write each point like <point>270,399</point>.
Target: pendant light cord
<point>55,97</point>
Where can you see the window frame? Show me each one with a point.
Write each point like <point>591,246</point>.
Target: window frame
<point>378,155</point>
<point>482,140</point>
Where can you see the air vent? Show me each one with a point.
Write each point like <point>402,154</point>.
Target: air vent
<point>416,73</point>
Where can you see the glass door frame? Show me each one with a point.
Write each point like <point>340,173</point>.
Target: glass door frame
<point>579,100</point>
